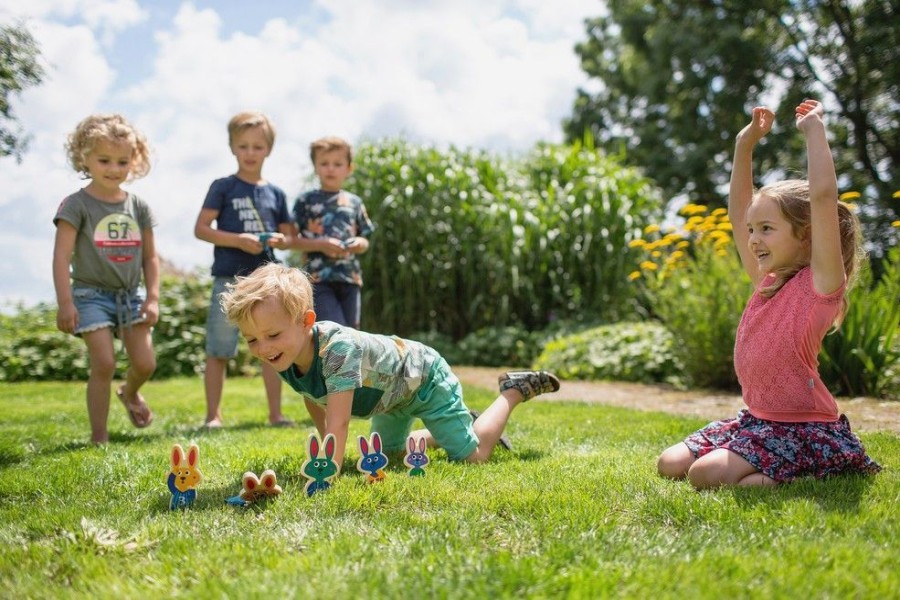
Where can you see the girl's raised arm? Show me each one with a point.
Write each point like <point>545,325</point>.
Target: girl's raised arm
<point>826,259</point>
<point>740,191</point>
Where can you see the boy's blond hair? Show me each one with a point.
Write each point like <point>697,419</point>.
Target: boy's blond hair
<point>114,129</point>
<point>330,144</point>
<point>289,285</point>
<point>248,119</point>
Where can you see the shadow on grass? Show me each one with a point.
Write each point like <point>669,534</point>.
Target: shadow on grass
<point>841,493</point>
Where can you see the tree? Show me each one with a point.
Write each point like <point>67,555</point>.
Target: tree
<point>678,78</point>
<point>19,69</point>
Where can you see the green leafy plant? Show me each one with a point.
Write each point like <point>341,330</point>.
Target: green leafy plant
<point>693,282</point>
<point>640,352</point>
<point>862,356</point>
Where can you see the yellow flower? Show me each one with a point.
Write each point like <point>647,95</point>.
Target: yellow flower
<point>683,244</point>
<point>692,209</point>
<point>849,196</point>
<point>896,194</point>
<point>634,275</point>
<point>676,255</point>
<point>651,228</point>
<point>718,212</point>
<point>895,224</point>
<point>656,254</point>
<point>671,238</point>
<point>638,243</point>
<point>649,265</point>
<point>724,226</point>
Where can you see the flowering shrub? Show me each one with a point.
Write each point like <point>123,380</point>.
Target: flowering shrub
<point>692,281</point>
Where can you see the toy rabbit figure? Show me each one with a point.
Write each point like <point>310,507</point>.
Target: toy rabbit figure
<point>184,476</point>
<point>256,488</point>
<point>415,458</point>
<point>371,463</point>
<point>319,470</point>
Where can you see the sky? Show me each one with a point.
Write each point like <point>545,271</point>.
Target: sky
<point>498,75</point>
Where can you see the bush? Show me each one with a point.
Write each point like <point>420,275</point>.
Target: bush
<point>32,349</point>
<point>861,358</point>
<point>694,283</point>
<point>487,347</point>
<point>639,352</point>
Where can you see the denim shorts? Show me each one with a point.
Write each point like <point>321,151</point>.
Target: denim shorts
<point>439,403</point>
<point>99,308</point>
<point>221,336</point>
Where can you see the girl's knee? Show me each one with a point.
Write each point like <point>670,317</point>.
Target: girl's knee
<point>103,367</point>
<point>719,467</point>
<point>674,462</point>
<point>144,368</point>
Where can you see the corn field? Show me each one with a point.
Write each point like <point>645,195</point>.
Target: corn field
<point>466,240</point>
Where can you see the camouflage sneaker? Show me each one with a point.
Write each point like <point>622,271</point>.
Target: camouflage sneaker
<point>529,383</point>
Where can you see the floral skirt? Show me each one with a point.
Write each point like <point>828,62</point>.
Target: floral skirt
<point>786,451</point>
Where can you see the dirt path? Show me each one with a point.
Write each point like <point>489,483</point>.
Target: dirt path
<point>865,414</point>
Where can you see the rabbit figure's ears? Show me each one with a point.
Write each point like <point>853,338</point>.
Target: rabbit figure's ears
<point>268,480</point>
<point>422,445</point>
<point>177,455</point>
<point>250,481</point>
<point>329,445</point>
<point>364,443</point>
<point>411,444</point>
<point>193,456</point>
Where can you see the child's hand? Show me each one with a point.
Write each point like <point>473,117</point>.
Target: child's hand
<point>760,125</point>
<point>67,318</point>
<point>334,248</point>
<point>278,240</point>
<point>808,113</point>
<point>355,245</point>
<point>249,243</point>
<point>150,310</point>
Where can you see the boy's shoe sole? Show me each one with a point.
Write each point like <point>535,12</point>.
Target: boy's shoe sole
<point>529,383</point>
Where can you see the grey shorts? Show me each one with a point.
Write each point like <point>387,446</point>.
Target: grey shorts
<point>221,336</point>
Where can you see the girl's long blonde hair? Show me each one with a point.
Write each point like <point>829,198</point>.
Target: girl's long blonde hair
<point>792,197</point>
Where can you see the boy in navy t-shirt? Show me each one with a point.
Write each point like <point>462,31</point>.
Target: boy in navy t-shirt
<point>252,219</point>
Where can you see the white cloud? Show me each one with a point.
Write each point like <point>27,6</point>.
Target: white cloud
<point>499,75</point>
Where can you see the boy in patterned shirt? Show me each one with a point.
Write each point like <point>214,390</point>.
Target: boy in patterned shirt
<point>333,231</point>
<point>342,372</point>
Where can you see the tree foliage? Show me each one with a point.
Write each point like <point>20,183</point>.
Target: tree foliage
<point>676,80</point>
<point>19,69</point>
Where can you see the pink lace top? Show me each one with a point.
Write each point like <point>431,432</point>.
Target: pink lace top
<point>776,352</point>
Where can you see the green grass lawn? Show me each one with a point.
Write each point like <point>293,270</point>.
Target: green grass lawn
<point>575,510</point>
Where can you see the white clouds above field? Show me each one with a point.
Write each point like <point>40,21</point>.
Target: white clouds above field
<point>496,75</point>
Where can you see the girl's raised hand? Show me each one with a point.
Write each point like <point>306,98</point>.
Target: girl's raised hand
<point>807,112</point>
<point>760,125</point>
